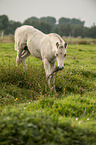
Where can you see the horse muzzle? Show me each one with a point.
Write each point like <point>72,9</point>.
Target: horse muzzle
<point>60,68</point>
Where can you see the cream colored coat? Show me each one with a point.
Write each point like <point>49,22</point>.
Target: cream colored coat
<point>47,47</point>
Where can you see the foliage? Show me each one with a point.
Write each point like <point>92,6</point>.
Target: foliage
<point>45,27</point>
<point>93,32</point>
<point>68,21</point>
<point>40,129</point>
<point>4,22</point>
<point>78,31</point>
<point>29,114</point>
<point>12,27</point>
<point>64,27</point>
<point>64,30</point>
<point>50,20</point>
<point>33,21</point>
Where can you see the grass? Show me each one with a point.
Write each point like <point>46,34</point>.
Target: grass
<point>81,41</point>
<point>29,114</point>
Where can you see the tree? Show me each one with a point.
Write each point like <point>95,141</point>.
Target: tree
<point>45,27</point>
<point>71,21</point>
<point>93,32</point>
<point>12,27</point>
<point>77,22</point>
<point>30,20</point>
<point>64,30</point>
<point>66,26</point>
<point>55,29</point>
<point>33,21</point>
<point>78,30</point>
<point>64,21</point>
<point>41,24</point>
<point>48,19</point>
<point>86,31</point>
<point>4,22</point>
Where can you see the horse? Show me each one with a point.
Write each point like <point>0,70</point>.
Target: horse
<point>47,47</point>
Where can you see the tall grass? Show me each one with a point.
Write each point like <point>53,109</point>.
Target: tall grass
<point>29,114</point>
<point>34,81</point>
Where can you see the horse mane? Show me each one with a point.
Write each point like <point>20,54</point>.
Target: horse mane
<point>58,37</point>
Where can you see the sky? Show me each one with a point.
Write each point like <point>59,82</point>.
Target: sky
<point>19,10</point>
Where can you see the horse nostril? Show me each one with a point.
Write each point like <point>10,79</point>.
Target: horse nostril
<point>61,68</point>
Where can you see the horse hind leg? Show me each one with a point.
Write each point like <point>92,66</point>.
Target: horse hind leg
<point>24,55</point>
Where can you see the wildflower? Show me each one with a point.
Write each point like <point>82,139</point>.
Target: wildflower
<point>29,102</point>
<point>76,118</point>
<point>16,99</point>
<point>80,122</point>
<point>87,118</point>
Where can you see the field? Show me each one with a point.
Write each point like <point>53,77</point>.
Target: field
<point>30,115</point>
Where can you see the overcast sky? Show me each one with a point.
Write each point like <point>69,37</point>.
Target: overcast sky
<point>19,10</point>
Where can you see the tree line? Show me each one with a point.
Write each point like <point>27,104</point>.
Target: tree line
<point>64,27</point>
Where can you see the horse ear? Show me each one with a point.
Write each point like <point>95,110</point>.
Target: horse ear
<point>57,44</point>
<point>65,45</point>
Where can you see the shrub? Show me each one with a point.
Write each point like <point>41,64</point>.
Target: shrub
<point>84,42</point>
<point>25,128</point>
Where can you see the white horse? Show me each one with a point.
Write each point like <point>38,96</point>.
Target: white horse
<point>47,47</point>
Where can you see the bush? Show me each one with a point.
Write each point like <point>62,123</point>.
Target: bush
<point>25,128</point>
<point>29,79</point>
<point>84,42</point>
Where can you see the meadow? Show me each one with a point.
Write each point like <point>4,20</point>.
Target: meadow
<point>30,115</point>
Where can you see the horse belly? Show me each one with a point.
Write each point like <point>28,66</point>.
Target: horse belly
<point>36,53</point>
<point>34,45</point>
<point>34,49</point>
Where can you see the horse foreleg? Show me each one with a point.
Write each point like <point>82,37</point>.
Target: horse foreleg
<point>18,59</point>
<point>53,82</point>
<point>52,74</point>
<point>51,78</point>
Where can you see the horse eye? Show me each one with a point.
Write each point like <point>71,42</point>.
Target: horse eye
<point>64,55</point>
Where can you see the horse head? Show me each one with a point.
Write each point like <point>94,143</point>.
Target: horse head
<point>60,54</point>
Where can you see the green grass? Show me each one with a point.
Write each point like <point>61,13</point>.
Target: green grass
<point>29,114</point>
